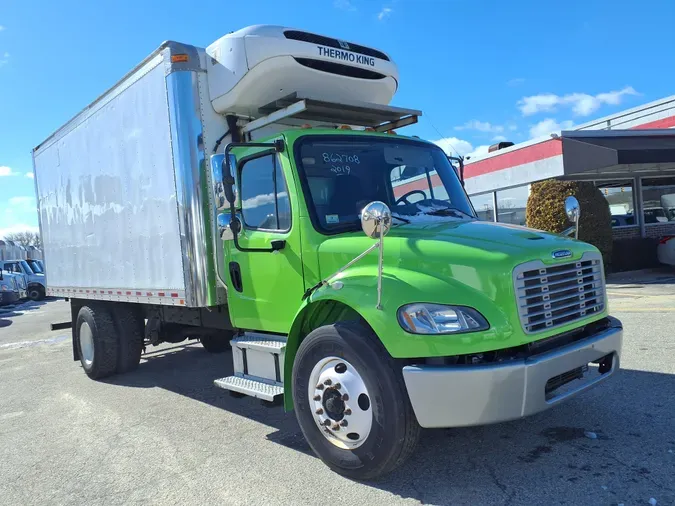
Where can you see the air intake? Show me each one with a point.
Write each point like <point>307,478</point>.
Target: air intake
<point>339,69</point>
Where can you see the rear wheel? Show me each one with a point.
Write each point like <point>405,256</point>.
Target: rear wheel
<point>97,342</point>
<point>351,402</point>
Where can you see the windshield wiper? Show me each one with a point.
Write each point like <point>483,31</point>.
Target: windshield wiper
<point>404,220</point>
<point>450,211</point>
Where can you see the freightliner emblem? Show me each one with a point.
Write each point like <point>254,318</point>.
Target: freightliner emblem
<point>561,253</point>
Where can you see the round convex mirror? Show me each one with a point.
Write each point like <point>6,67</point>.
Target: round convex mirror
<point>375,216</point>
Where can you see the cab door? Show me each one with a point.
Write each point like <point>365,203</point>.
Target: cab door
<point>265,288</point>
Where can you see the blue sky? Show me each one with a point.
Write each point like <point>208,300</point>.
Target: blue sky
<point>480,70</point>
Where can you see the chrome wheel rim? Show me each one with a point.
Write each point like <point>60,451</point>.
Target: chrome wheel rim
<point>86,344</point>
<point>340,403</point>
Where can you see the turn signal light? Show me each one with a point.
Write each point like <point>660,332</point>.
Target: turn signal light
<point>179,58</point>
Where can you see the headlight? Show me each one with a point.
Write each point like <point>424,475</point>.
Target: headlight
<point>424,318</point>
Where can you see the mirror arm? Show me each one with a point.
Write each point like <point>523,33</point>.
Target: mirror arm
<point>570,231</point>
<point>379,268</point>
<point>325,281</point>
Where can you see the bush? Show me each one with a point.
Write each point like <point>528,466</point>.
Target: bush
<point>546,211</point>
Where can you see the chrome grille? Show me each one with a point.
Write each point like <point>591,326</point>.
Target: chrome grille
<point>549,296</point>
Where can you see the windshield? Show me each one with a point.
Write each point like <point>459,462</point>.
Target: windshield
<point>35,266</point>
<point>344,174</point>
<point>26,267</point>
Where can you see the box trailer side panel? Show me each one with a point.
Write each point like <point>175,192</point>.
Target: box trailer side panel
<point>116,186</point>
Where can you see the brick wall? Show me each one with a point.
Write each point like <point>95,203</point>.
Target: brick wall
<point>660,230</point>
<point>625,233</point>
<point>652,231</point>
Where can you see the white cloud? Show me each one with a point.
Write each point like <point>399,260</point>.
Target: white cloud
<point>384,13</point>
<point>498,138</point>
<point>481,126</point>
<point>549,126</point>
<point>30,175</point>
<point>582,104</point>
<point>1,28</point>
<point>18,227</point>
<point>515,82</point>
<point>261,200</point>
<point>513,128</point>
<point>454,147</point>
<point>6,171</point>
<point>4,59</point>
<point>480,150</point>
<point>344,5</point>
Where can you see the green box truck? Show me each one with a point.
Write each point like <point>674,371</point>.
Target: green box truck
<point>254,195</point>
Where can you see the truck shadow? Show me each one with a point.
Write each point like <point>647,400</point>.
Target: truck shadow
<point>616,436</point>
<point>11,311</point>
<point>189,370</point>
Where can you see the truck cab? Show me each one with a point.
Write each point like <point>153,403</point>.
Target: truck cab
<point>36,282</point>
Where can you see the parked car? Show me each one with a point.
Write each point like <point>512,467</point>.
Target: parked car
<point>9,288</point>
<point>37,283</point>
<point>666,250</point>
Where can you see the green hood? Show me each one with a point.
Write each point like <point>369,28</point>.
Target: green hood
<point>466,263</point>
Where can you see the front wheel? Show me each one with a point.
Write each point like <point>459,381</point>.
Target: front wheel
<point>351,402</point>
<point>36,293</point>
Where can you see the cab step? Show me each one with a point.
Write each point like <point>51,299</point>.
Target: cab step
<point>251,387</point>
<point>258,363</point>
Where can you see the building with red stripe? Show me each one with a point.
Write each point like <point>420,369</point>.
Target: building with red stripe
<point>630,156</point>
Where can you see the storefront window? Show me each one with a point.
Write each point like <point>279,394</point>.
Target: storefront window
<point>511,205</point>
<point>658,195</point>
<point>619,195</point>
<point>484,206</point>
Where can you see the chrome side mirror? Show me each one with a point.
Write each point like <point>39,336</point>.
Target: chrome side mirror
<point>230,181</point>
<point>573,211</point>
<point>376,219</point>
<point>219,196</point>
<point>224,230</point>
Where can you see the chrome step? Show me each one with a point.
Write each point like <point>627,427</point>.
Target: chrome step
<point>251,387</point>
<point>259,356</point>
<point>259,343</point>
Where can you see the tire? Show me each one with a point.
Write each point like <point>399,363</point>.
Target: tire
<point>215,344</point>
<point>394,430</point>
<point>131,331</point>
<point>95,327</point>
<point>36,293</point>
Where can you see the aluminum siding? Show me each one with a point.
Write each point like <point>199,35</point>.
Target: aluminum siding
<point>107,194</point>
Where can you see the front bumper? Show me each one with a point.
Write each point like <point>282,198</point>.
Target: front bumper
<point>457,396</point>
<point>8,297</point>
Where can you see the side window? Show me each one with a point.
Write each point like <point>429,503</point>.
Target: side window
<point>264,197</point>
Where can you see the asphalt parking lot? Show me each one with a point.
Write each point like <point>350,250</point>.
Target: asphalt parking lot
<point>164,435</point>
